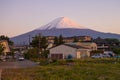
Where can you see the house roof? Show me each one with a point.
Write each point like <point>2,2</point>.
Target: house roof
<point>75,46</point>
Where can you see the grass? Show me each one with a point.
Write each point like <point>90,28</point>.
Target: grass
<point>86,69</point>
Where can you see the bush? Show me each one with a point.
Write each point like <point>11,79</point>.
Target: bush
<point>32,53</point>
<point>69,60</point>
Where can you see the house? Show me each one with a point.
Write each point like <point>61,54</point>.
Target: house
<point>68,39</point>
<point>103,47</point>
<point>89,45</point>
<point>50,39</point>
<point>65,50</point>
<point>79,38</point>
<point>84,38</point>
<point>6,46</point>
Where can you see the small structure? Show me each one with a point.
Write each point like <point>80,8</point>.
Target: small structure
<point>6,46</point>
<point>50,45</point>
<point>89,45</point>
<point>103,47</point>
<point>65,51</point>
<point>79,38</point>
<point>50,39</point>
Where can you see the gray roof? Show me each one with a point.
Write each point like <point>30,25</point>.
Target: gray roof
<point>76,46</point>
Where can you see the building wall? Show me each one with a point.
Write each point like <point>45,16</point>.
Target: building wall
<point>65,50</point>
<point>68,40</point>
<point>84,53</point>
<point>5,44</point>
<point>92,46</point>
<point>87,38</point>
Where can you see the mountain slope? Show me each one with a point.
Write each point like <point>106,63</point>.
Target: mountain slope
<point>60,23</point>
<point>62,26</point>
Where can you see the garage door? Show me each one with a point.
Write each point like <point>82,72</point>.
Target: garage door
<point>57,56</point>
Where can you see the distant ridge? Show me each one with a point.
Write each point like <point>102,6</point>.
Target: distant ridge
<point>62,26</point>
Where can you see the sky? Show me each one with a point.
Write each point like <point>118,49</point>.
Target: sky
<point>21,16</point>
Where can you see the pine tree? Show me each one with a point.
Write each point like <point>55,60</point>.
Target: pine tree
<point>56,41</point>
<point>39,42</point>
<point>60,40</point>
<point>35,41</point>
<point>43,42</point>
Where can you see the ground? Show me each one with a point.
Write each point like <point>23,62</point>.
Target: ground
<point>91,69</point>
<point>17,64</point>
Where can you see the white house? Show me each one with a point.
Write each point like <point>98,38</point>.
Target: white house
<point>65,50</point>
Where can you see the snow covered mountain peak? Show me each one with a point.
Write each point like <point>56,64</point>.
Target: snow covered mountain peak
<point>60,23</point>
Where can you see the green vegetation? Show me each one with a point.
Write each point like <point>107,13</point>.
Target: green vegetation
<point>35,55</point>
<point>117,52</point>
<point>84,69</point>
<point>32,53</point>
<point>56,41</point>
<point>75,39</point>
<point>3,37</point>
<point>110,41</point>
<point>61,39</point>
<point>39,42</point>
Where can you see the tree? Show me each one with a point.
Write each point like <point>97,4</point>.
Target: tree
<point>45,54</point>
<point>32,53</point>
<point>43,42</point>
<point>117,52</point>
<point>39,42</point>
<point>99,40</point>
<point>112,41</point>
<point>60,40</point>
<point>2,37</point>
<point>75,39</point>
<point>35,41</point>
<point>1,49</point>
<point>56,41</point>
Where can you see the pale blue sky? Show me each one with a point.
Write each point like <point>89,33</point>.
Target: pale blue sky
<point>21,16</point>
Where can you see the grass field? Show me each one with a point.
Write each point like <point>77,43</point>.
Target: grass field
<point>87,69</point>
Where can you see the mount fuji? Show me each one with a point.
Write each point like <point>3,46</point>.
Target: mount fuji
<point>62,26</point>
<point>61,23</point>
